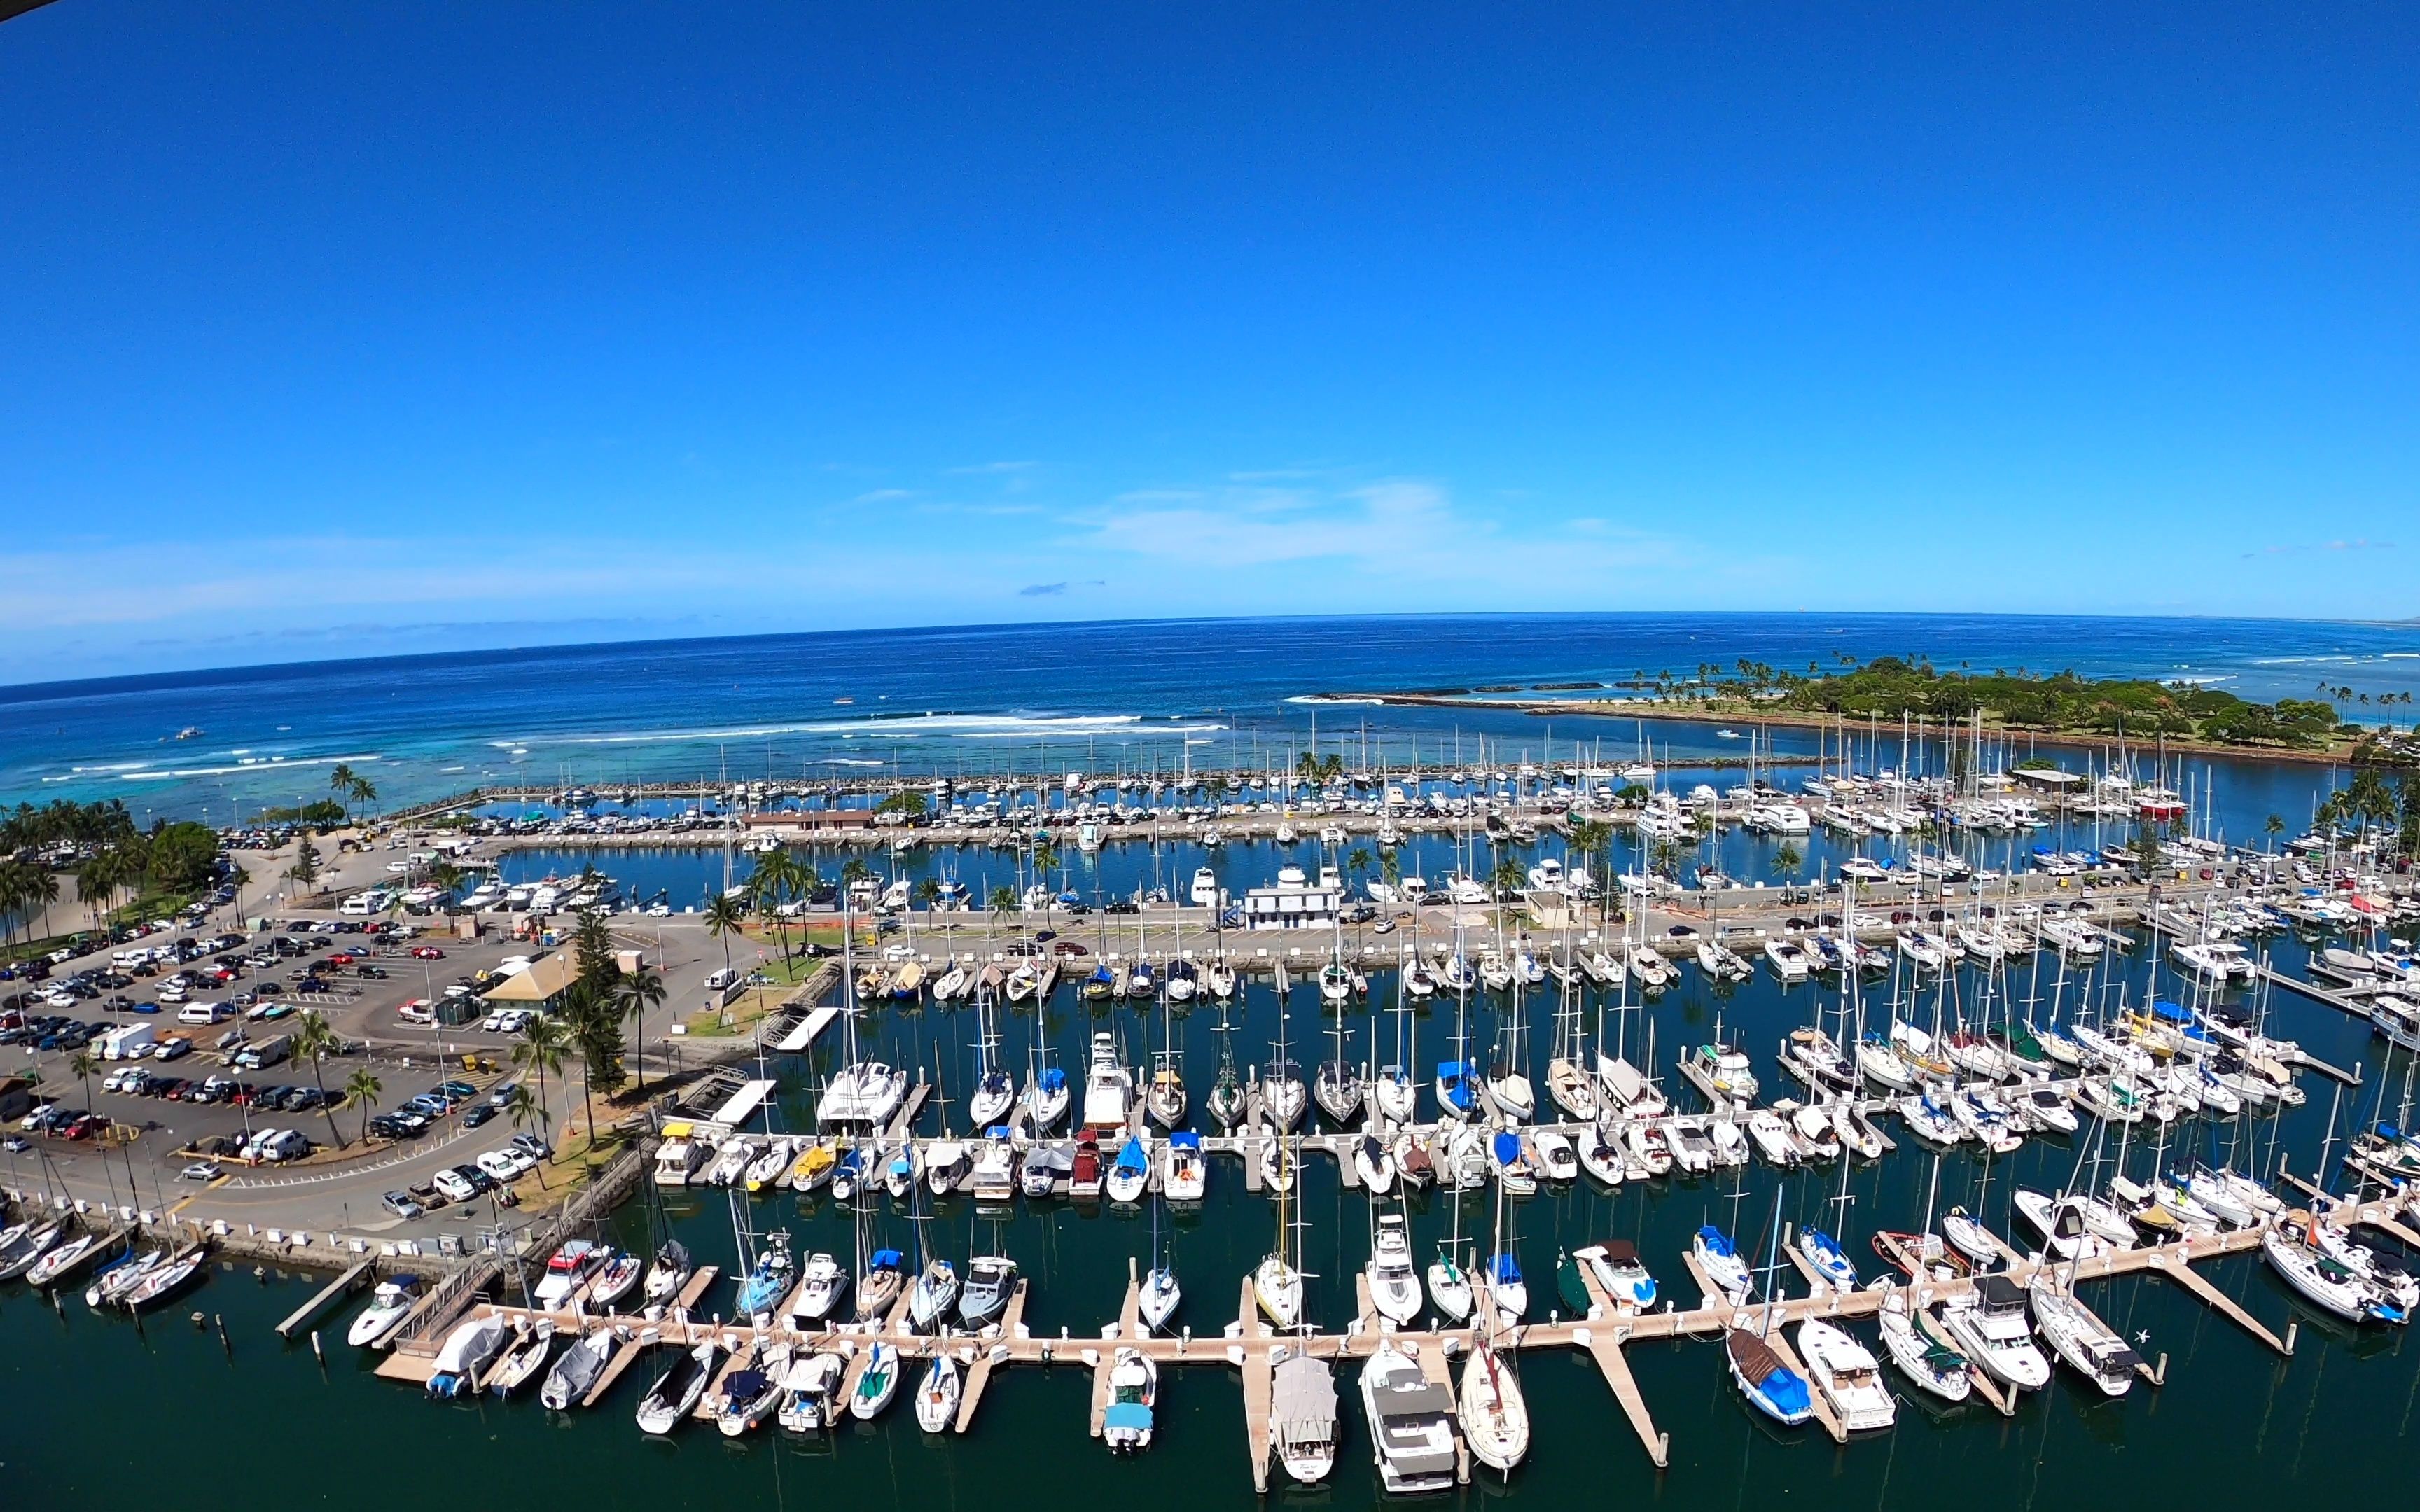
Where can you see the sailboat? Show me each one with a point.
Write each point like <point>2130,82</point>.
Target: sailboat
<point>1277,1285</point>
<point>1494,1415</point>
<point>1758,1369</point>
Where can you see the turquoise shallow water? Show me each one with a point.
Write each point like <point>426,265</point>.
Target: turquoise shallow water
<point>2232,1421</point>
<point>1105,697</point>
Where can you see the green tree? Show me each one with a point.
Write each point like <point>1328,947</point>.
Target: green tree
<point>634,993</point>
<point>525,1110</point>
<point>314,1041</point>
<point>2273,827</point>
<point>1003,901</point>
<point>306,869</point>
<point>182,855</point>
<point>362,1091</point>
<point>722,918</point>
<point>541,1049</point>
<point>340,783</point>
<point>1787,860</point>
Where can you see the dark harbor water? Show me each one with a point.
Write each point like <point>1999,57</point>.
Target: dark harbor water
<point>87,1397</point>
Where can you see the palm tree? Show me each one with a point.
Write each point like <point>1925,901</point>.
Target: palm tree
<point>2274,826</point>
<point>1787,860</point>
<point>81,1065</point>
<point>634,993</point>
<point>1003,900</point>
<point>362,1091</point>
<point>1509,877</point>
<point>1045,857</point>
<point>364,791</point>
<point>542,1047</point>
<point>524,1110</point>
<point>312,1041</point>
<point>722,917</point>
<point>340,783</point>
<point>1357,861</point>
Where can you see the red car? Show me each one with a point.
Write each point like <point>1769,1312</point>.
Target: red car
<point>342,958</point>
<point>87,1127</point>
<point>426,952</point>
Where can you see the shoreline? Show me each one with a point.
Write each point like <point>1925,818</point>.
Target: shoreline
<point>2332,755</point>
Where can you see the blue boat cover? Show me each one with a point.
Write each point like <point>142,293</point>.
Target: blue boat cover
<point>1127,1415</point>
<point>1715,1239</point>
<point>1053,1079</point>
<point>887,1259</point>
<point>2173,1012</point>
<point>1506,1268</point>
<point>1185,1139</point>
<point>1133,1157</point>
<point>1787,1390</point>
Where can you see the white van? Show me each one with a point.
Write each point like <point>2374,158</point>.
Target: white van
<point>204,1014</point>
<point>720,979</point>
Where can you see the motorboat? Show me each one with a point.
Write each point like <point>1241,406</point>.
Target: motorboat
<point>768,1280</point>
<point>948,1162</point>
<point>1085,1170</point>
<point>1134,1390</point>
<point>2090,1347</point>
<point>467,1352</point>
<point>1620,1274</point>
<point>1108,1087</point>
<point>991,1280</point>
<point>810,1392</point>
<point>1394,1286</point>
<point>1990,1330</point>
<point>1411,1423</point>
<point>2060,1222</point>
<point>822,1282</point>
<point>1846,1372</point>
<point>1184,1169</point>
<point>1302,1417</point>
<point>390,1302</point>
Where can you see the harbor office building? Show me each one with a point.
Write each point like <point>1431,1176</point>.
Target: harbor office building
<point>1294,904</point>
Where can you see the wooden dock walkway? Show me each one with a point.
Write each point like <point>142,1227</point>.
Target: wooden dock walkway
<point>1011,1326</point>
<point>1105,1359</point>
<point>322,1298</point>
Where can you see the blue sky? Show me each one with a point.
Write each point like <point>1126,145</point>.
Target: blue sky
<point>368,328</point>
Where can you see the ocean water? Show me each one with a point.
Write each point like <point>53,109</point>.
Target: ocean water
<point>1141,696</point>
<point>2233,1423</point>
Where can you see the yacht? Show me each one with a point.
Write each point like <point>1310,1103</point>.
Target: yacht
<point>1134,1391</point>
<point>1619,1272</point>
<point>1394,1286</point>
<point>1990,1327</point>
<point>2084,1341</point>
<point>1108,1087</point>
<point>991,1280</point>
<point>1411,1423</point>
<point>822,1282</point>
<point>394,1298</point>
<point>1302,1417</point>
<point>1846,1372</point>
